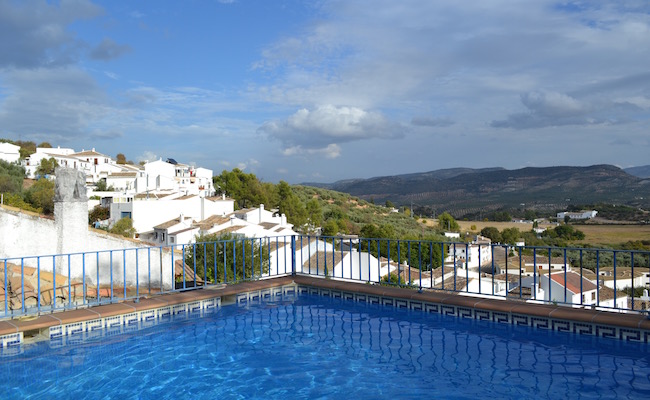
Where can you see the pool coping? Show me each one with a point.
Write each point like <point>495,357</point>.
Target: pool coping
<point>623,326</point>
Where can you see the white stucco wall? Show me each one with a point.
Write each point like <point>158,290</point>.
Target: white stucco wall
<point>9,152</point>
<point>36,241</point>
<point>148,213</point>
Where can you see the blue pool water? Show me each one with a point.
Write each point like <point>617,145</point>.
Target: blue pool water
<point>317,347</point>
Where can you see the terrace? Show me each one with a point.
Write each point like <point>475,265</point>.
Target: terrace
<point>43,295</point>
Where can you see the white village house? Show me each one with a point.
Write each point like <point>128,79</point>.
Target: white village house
<point>9,152</point>
<point>585,214</point>
<point>573,289</point>
<point>475,254</point>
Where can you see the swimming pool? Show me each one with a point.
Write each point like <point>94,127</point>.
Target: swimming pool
<point>317,347</point>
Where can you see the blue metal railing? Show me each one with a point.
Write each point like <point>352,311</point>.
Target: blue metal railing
<point>568,276</point>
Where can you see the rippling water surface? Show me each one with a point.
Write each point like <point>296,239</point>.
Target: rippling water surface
<point>315,347</point>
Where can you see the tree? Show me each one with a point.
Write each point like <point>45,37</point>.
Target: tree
<point>530,215</point>
<point>45,145</point>
<point>235,259</point>
<point>11,177</point>
<point>331,228</point>
<point>98,213</point>
<point>290,205</point>
<point>100,186</point>
<point>447,222</point>
<point>502,216</point>
<point>47,166</point>
<point>41,195</point>
<point>123,227</point>
<point>26,148</point>
<point>510,235</point>
<point>566,232</point>
<point>314,212</point>
<point>389,204</point>
<point>245,189</point>
<point>492,233</point>
<point>120,158</point>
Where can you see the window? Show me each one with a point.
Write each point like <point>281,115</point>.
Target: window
<point>593,295</point>
<point>171,239</point>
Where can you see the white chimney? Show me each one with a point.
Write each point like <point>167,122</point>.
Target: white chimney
<point>283,220</point>
<point>223,196</point>
<point>261,211</point>
<point>182,217</point>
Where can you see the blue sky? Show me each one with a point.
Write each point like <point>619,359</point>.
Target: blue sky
<point>325,90</point>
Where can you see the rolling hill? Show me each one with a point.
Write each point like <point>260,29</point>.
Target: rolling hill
<point>465,191</point>
<point>640,172</point>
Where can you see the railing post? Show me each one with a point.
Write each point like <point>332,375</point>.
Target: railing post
<point>293,255</point>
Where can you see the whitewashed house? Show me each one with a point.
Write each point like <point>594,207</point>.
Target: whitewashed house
<point>9,152</point>
<point>584,214</point>
<point>351,265</point>
<point>624,277</point>
<point>179,230</point>
<point>574,290</point>
<point>61,155</point>
<point>149,210</point>
<point>161,175</point>
<point>95,165</point>
<point>473,255</point>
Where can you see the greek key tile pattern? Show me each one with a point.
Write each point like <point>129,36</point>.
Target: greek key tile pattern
<point>579,328</point>
<point>72,333</point>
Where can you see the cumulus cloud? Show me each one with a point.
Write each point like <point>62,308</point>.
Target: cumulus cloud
<point>35,32</point>
<point>330,151</point>
<point>148,156</point>
<point>321,130</point>
<point>108,50</point>
<point>547,108</point>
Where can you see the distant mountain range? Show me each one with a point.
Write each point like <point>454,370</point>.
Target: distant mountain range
<point>465,190</point>
<point>640,172</point>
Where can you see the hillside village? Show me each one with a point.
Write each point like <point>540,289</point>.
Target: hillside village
<point>168,202</point>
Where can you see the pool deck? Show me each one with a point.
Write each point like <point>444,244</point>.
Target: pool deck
<point>457,302</point>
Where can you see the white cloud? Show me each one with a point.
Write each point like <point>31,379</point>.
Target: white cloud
<point>331,151</point>
<point>328,126</point>
<point>470,61</point>
<point>148,156</point>
<point>545,108</point>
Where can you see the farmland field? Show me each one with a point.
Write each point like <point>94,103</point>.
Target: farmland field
<point>594,234</point>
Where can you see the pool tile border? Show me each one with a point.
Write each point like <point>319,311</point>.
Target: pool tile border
<point>62,334</point>
<point>585,323</point>
<point>109,320</point>
<point>185,305</point>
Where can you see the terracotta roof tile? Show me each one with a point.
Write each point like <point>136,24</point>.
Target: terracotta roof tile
<point>573,282</point>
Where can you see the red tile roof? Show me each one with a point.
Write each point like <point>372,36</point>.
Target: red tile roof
<point>573,282</point>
